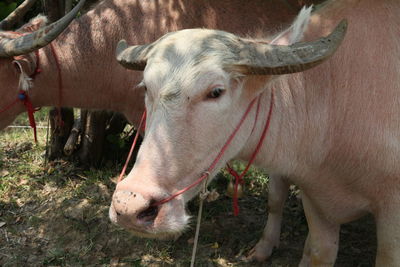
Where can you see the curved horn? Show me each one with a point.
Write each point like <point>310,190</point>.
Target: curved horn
<point>40,38</point>
<point>133,57</point>
<point>16,15</point>
<point>265,59</point>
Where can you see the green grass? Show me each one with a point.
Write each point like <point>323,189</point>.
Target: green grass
<point>40,118</point>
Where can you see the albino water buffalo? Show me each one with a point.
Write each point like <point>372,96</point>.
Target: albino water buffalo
<point>92,78</point>
<point>334,128</point>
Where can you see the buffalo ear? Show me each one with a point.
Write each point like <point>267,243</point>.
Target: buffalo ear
<point>296,31</point>
<point>34,24</point>
<point>256,58</point>
<point>25,66</point>
<point>133,57</point>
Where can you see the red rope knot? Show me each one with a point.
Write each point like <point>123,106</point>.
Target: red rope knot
<point>238,180</point>
<point>24,98</point>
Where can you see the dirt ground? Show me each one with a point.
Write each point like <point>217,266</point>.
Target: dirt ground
<point>58,216</point>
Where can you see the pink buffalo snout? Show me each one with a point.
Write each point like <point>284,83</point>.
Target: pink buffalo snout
<point>132,210</point>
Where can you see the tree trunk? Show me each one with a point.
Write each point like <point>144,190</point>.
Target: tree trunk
<point>101,139</point>
<point>54,9</point>
<point>93,138</point>
<point>117,145</point>
<point>60,130</point>
<point>68,6</point>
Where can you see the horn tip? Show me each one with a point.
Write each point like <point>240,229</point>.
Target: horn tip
<point>121,46</point>
<point>340,30</point>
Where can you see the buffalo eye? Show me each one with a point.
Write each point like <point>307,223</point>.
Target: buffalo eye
<point>216,92</point>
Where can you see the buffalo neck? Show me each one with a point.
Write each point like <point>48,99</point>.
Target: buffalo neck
<point>324,114</point>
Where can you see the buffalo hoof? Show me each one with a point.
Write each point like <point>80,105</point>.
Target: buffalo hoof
<point>262,250</point>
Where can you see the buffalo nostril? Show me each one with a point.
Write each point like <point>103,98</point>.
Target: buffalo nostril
<point>148,214</point>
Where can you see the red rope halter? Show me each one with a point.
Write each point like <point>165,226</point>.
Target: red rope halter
<point>25,99</point>
<point>141,125</point>
<point>238,178</point>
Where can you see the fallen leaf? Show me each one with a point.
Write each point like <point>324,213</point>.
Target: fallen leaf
<point>212,196</point>
<point>50,170</point>
<point>215,245</point>
<point>2,224</point>
<point>114,262</point>
<point>81,176</point>
<point>23,182</point>
<point>4,173</point>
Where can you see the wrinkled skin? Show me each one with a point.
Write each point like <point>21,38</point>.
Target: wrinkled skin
<point>93,78</point>
<point>334,131</point>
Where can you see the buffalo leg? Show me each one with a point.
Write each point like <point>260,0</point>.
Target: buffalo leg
<point>278,190</point>
<point>306,259</point>
<point>322,242</point>
<point>388,233</point>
